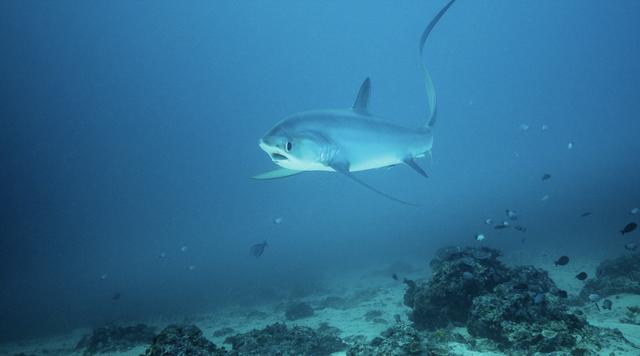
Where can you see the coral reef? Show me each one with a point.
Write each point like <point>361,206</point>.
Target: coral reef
<point>401,339</point>
<point>298,310</point>
<point>615,276</point>
<point>182,340</point>
<point>459,275</point>
<point>113,338</point>
<point>518,309</point>
<point>277,339</point>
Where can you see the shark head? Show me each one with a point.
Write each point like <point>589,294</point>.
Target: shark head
<point>296,149</point>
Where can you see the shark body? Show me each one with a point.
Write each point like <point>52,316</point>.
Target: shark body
<point>352,139</point>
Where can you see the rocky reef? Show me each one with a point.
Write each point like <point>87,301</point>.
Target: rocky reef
<point>459,275</point>
<point>615,276</point>
<point>113,338</point>
<point>183,340</point>
<point>278,339</point>
<point>518,309</point>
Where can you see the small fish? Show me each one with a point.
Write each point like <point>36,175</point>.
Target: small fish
<point>394,276</point>
<point>607,304</point>
<point>562,294</point>
<point>258,249</point>
<point>539,298</point>
<point>115,296</point>
<point>501,226</point>
<point>545,127</point>
<point>191,268</point>
<point>162,255</point>
<point>184,248</point>
<point>488,221</point>
<point>570,145</point>
<point>524,127</point>
<point>104,276</point>
<point>562,261</point>
<point>480,237</point>
<point>631,246</point>
<point>277,220</point>
<point>521,287</point>
<point>585,214</point>
<point>594,297</point>
<point>511,214</point>
<point>467,276</point>
<point>545,197</point>
<point>629,228</point>
<point>635,211</point>
<point>546,176</point>
<point>520,228</point>
<point>582,276</point>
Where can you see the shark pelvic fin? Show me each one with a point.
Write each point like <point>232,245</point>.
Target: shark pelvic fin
<point>344,169</point>
<point>362,101</point>
<point>276,173</point>
<point>409,161</point>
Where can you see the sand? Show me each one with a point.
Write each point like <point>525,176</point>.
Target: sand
<point>377,291</point>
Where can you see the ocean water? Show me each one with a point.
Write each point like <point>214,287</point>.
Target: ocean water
<point>129,132</point>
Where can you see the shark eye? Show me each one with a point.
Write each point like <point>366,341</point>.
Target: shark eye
<point>288,146</point>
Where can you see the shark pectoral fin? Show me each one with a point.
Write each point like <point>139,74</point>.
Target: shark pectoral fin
<point>276,173</point>
<point>409,161</point>
<point>362,101</point>
<point>344,169</point>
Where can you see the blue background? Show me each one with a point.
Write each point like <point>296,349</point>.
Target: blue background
<point>128,129</point>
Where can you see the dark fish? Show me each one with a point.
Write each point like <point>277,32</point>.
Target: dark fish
<point>520,228</point>
<point>562,294</point>
<point>607,304</point>
<point>631,246</point>
<point>581,276</point>
<point>629,228</point>
<point>258,249</point>
<point>585,214</point>
<point>521,287</point>
<point>563,260</point>
<point>546,176</point>
<point>511,214</point>
<point>394,276</point>
<point>115,296</point>
<point>501,226</point>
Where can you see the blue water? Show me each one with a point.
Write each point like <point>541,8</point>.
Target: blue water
<point>129,129</point>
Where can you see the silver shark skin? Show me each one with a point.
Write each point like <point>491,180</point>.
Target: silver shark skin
<point>350,140</point>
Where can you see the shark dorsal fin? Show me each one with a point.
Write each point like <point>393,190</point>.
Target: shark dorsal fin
<point>362,100</point>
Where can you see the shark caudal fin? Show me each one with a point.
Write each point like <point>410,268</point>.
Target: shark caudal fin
<point>431,92</point>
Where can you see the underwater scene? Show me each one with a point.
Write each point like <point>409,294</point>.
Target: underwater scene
<point>245,177</point>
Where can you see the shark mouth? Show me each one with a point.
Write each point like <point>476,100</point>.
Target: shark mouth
<point>278,157</point>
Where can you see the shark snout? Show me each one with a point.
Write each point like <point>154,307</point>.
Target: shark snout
<point>274,152</point>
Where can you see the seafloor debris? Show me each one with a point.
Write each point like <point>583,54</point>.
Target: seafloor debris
<point>113,338</point>
<point>615,276</point>
<point>183,340</point>
<point>278,339</point>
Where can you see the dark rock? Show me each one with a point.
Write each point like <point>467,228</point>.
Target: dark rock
<point>447,297</point>
<point>182,340</point>
<point>299,310</point>
<point>615,276</point>
<point>277,339</point>
<point>223,331</point>
<point>112,338</point>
